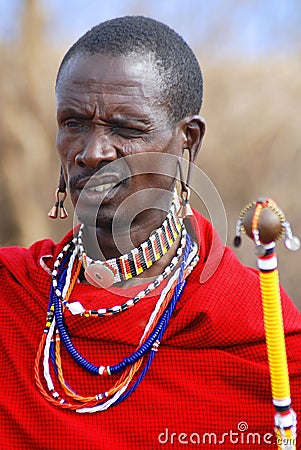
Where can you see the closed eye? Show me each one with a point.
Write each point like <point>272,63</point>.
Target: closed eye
<point>128,132</point>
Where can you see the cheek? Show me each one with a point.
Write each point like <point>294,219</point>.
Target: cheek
<point>67,151</point>
<point>61,147</point>
<point>143,145</point>
<point>156,161</point>
<point>65,158</point>
<point>153,172</point>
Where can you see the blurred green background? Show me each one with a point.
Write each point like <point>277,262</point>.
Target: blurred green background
<point>250,53</point>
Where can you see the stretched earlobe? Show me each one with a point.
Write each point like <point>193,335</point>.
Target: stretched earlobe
<point>185,208</point>
<point>193,128</point>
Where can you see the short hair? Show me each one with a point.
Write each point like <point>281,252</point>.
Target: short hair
<point>179,70</point>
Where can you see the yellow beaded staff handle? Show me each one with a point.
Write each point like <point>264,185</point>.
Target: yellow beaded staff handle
<point>264,222</point>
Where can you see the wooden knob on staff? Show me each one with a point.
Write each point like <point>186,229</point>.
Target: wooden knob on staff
<point>264,222</point>
<point>268,224</point>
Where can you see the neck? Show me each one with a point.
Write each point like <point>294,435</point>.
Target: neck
<point>103,244</point>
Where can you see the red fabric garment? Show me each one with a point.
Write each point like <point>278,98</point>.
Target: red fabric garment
<point>208,381</point>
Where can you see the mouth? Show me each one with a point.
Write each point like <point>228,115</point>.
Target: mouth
<point>98,182</point>
<point>101,187</point>
<point>96,191</point>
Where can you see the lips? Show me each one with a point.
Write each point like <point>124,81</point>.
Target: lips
<point>98,183</point>
<point>101,187</point>
<point>97,190</point>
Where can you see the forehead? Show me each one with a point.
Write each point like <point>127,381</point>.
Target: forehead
<point>126,80</point>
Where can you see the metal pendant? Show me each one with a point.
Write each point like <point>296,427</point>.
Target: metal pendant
<point>99,275</point>
<point>292,243</point>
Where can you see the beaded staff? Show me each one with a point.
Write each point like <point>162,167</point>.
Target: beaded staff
<point>264,222</point>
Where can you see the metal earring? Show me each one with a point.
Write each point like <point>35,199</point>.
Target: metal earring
<point>60,196</point>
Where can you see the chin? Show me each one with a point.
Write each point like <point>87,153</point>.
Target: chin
<point>103,218</point>
<point>95,221</point>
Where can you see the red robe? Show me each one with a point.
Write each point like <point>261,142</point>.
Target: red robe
<point>208,384</point>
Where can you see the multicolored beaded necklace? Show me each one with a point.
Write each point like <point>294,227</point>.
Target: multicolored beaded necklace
<point>106,273</point>
<point>65,274</point>
<point>76,307</point>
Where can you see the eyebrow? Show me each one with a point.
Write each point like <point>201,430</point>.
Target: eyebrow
<point>73,111</point>
<point>131,118</point>
<point>118,119</point>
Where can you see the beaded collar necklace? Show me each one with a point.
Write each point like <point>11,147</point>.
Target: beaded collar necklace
<point>106,273</point>
<point>77,308</point>
<point>66,271</point>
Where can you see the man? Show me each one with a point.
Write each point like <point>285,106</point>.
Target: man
<point>136,352</point>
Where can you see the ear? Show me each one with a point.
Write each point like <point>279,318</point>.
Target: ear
<point>193,129</point>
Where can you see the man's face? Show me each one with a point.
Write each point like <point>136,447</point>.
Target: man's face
<point>109,110</point>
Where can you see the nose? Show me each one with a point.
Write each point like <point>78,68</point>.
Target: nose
<point>96,149</point>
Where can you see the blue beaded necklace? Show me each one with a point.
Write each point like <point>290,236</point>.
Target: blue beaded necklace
<point>149,342</point>
<point>143,349</point>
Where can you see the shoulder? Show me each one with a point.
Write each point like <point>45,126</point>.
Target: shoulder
<point>15,257</point>
<point>38,258</point>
